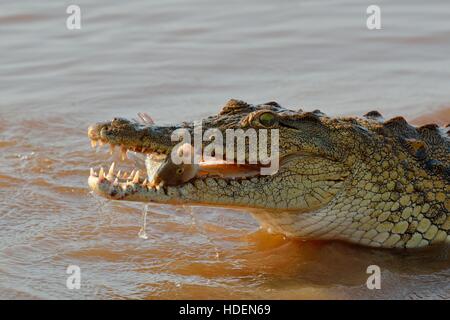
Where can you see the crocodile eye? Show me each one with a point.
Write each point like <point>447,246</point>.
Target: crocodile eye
<point>180,170</point>
<point>267,119</point>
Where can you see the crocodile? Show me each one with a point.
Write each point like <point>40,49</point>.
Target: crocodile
<point>363,180</point>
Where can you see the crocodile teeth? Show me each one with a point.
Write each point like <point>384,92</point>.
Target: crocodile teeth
<point>111,149</point>
<point>136,177</point>
<point>123,153</point>
<point>92,172</point>
<point>101,173</point>
<point>111,172</point>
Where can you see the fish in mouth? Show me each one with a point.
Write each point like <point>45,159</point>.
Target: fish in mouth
<point>362,180</point>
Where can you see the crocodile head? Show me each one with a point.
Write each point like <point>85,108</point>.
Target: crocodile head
<point>359,180</point>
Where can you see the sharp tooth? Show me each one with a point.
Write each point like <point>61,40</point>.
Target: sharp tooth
<point>125,175</point>
<point>118,174</point>
<point>92,172</point>
<point>101,173</point>
<point>116,182</point>
<point>110,172</point>
<point>145,182</point>
<point>93,143</point>
<point>136,177</point>
<point>111,169</point>
<point>159,185</point>
<point>143,150</point>
<point>132,174</point>
<point>123,152</point>
<point>111,149</point>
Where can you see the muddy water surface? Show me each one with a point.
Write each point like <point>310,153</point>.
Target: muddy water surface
<point>180,60</point>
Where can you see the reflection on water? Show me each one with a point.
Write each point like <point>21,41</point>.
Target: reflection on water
<point>180,61</point>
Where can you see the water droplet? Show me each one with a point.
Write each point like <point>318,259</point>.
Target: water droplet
<point>142,233</point>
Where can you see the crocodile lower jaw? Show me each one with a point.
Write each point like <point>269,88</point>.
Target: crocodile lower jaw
<point>139,186</point>
<point>136,189</point>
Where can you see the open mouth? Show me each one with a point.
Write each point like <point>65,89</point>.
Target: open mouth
<point>158,173</point>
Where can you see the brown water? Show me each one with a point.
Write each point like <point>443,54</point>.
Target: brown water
<point>180,60</point>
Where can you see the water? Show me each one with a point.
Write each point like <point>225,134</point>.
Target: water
<point>143,232</point>
<point>177,61</point>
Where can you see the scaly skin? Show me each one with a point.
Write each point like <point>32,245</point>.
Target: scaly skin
<point>361,180</point>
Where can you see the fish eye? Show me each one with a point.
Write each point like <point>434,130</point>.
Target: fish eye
<point>267,119</point>
<point>180,170</point>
